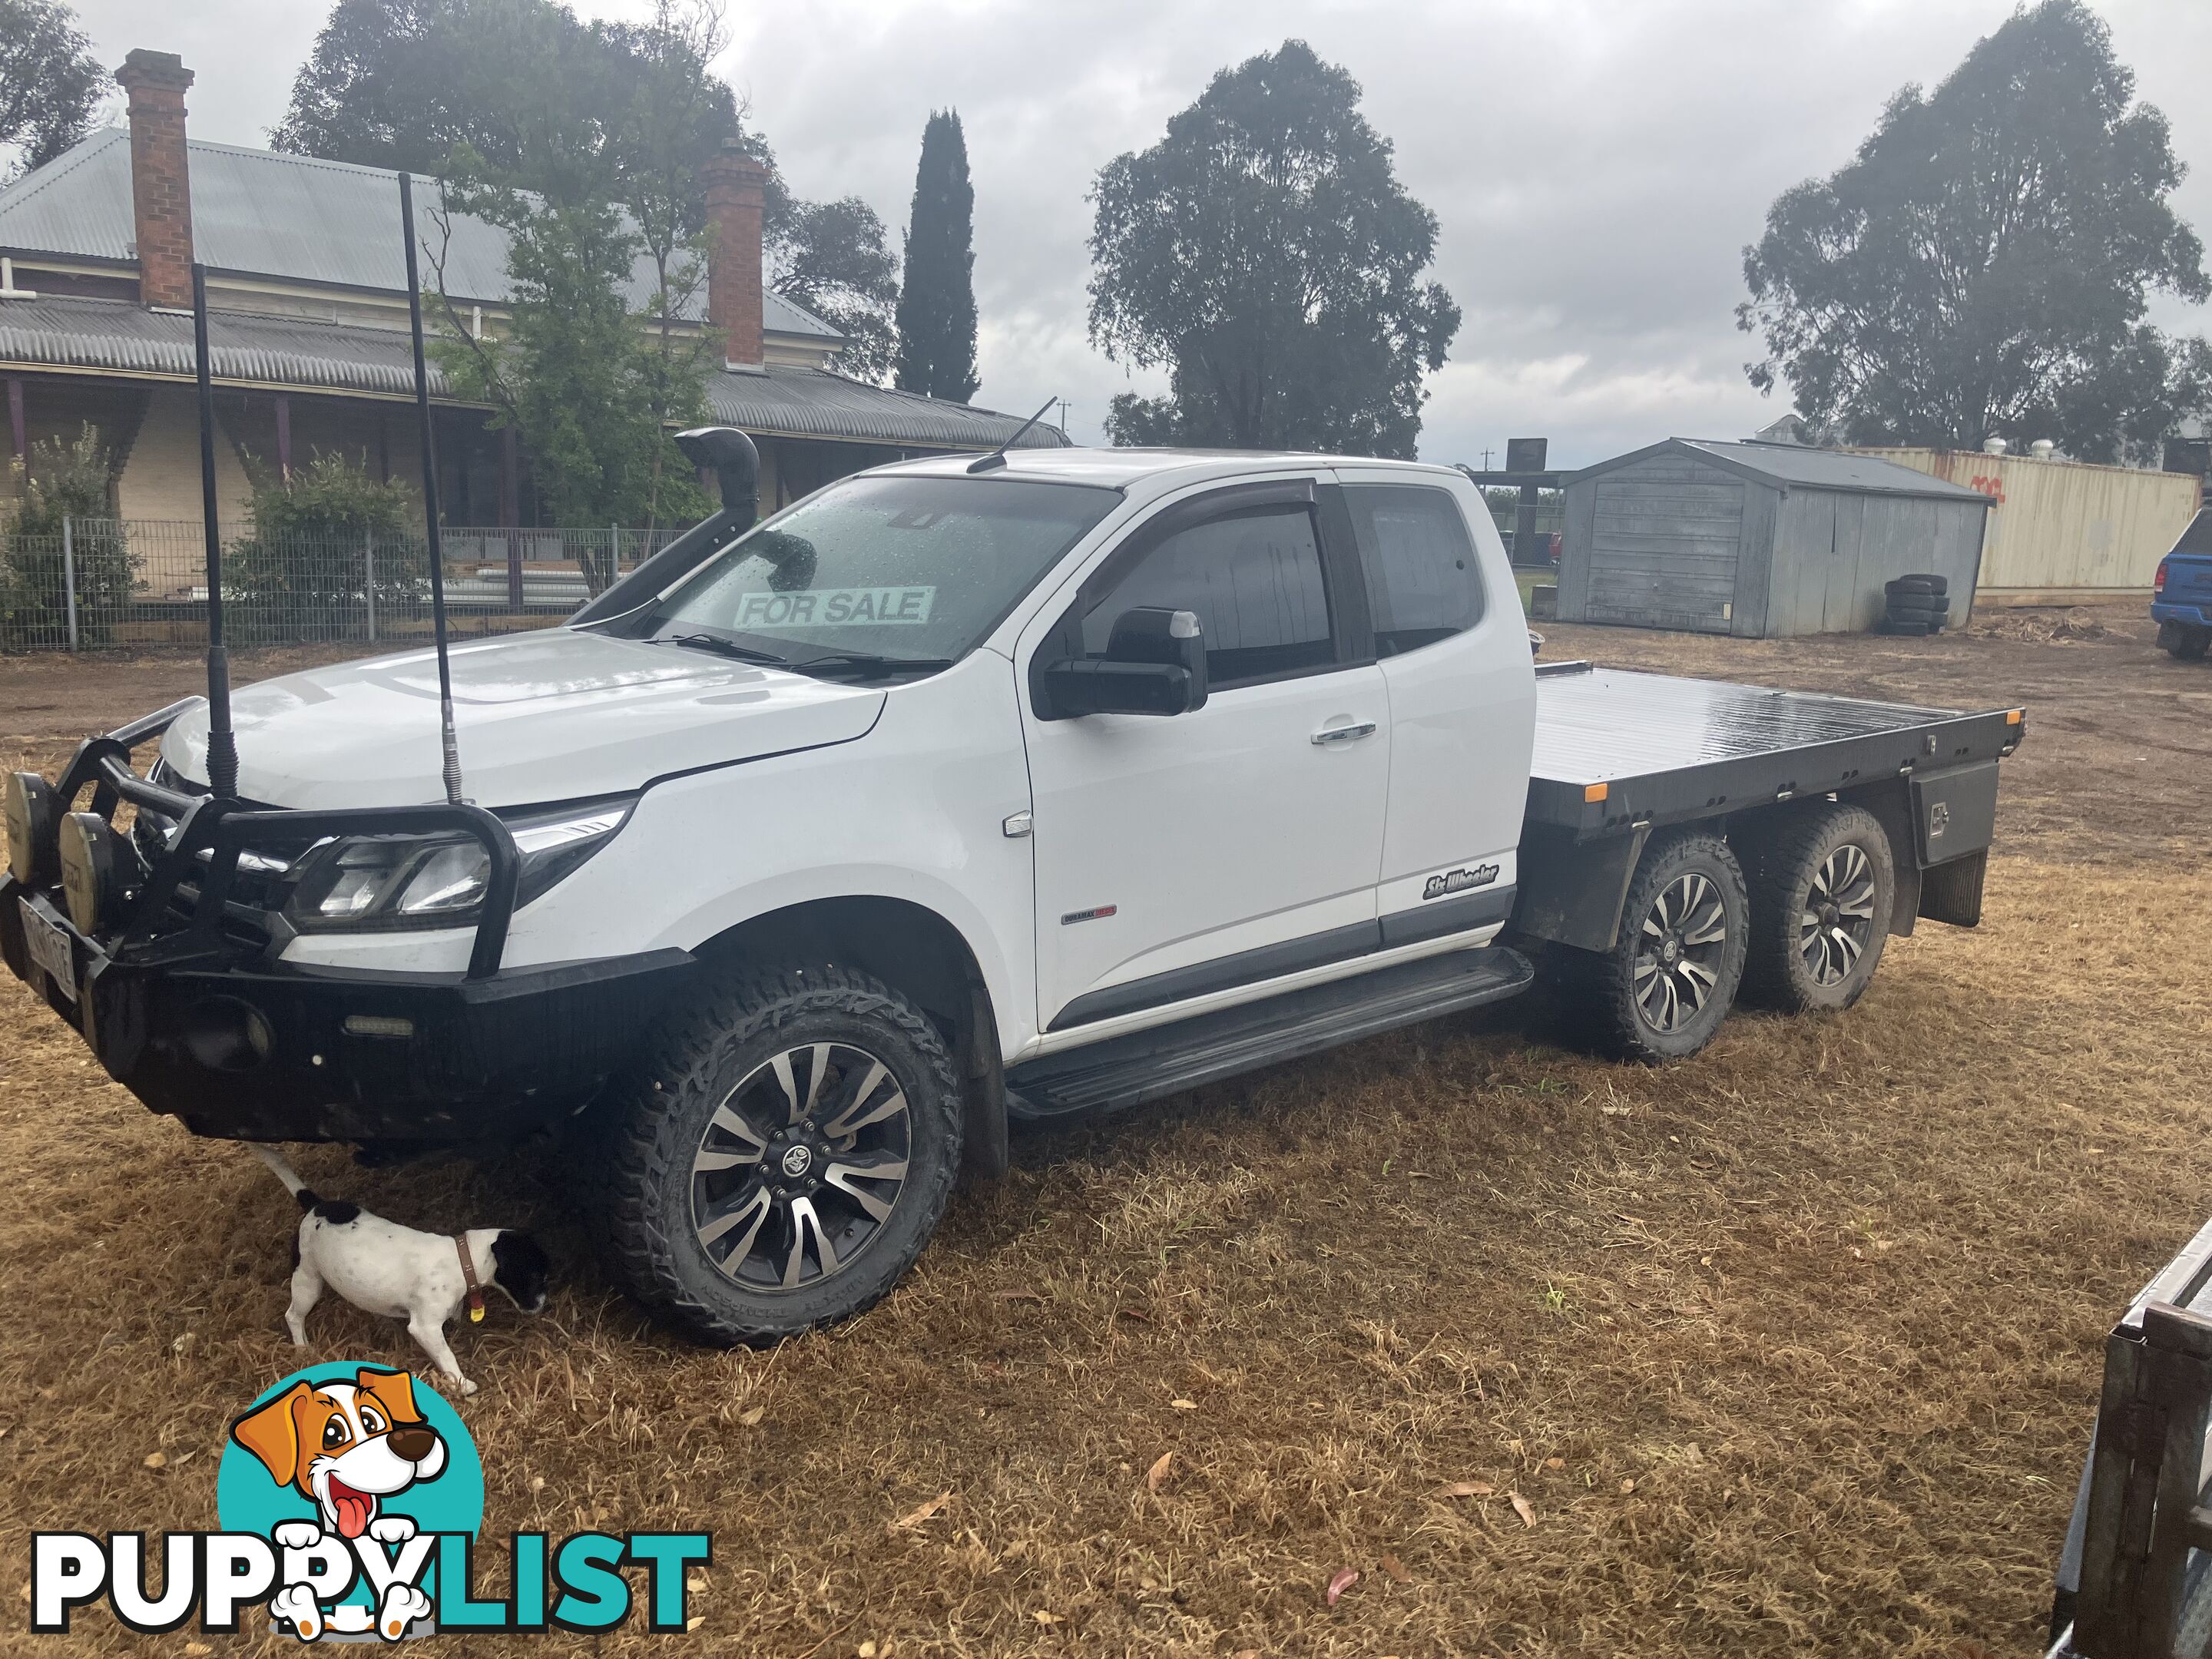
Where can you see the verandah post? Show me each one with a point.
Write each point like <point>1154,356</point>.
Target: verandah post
<point>68,574</point>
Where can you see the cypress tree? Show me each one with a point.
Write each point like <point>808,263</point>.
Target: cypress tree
<point>937,307</point>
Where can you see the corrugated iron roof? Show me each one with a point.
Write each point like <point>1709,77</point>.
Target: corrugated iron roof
<point>1796,466</point>
<point>297,218</point>
<point>117,337</point>
<point>1829,469</point>
<point>813,403</point>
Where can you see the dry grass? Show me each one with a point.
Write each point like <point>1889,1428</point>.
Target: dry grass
<point>2076,625</point>
<point>1830,1297</point>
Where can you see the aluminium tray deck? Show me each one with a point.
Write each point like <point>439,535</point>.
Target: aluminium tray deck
<point>1615,747</point>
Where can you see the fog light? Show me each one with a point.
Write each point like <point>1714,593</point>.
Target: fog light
<point>90,884</point>
<point>227,1035</point>
<point>30,811</point>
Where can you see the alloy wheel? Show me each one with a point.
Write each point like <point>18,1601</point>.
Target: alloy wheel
<point>800,1166</point>
<point>1837,919</point>
<point>1679,951</point>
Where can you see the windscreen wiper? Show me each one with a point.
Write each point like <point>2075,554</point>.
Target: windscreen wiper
<point>722,647</point>
<point>870,662</point>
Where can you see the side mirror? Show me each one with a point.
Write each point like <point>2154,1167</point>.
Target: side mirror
<point>1155,663</point>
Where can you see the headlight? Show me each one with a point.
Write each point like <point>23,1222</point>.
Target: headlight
<point>434,881</point>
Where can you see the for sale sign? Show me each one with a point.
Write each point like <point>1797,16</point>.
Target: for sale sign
<point>836,607</point>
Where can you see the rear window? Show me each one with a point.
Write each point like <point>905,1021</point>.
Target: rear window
<point>1423,583</point>
<point>2198,538</point>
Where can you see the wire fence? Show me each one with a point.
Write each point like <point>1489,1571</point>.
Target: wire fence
<point>108,583</point>
<point>1551,520</point>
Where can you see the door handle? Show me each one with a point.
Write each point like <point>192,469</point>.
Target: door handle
<point>1350,732</point>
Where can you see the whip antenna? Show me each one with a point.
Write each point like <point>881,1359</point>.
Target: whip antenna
<point>998,456</point>
<point>451,745</point>
<point>222,746</point>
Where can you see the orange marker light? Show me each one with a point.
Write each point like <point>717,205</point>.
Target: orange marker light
<point>2014,716</point>
<point>1595,791</point>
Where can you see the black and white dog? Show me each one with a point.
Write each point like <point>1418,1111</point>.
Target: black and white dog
<point>382,1267</point>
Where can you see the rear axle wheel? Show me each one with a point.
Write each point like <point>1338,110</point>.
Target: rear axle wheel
<point>1822,888</point>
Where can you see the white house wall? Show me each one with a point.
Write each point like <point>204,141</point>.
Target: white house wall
<point>160,478</point>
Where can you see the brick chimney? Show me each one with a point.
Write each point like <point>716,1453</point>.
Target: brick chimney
<point>737,195</point>
<point>161,181</point>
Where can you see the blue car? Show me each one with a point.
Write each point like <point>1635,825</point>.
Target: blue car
<point>2181,592</point>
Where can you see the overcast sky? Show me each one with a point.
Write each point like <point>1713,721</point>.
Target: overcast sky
<point>1597,165</point>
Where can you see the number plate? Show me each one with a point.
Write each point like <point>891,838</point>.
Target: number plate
<point>50,949</point>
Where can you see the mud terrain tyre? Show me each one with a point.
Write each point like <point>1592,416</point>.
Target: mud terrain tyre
<point>1823,883</point>
<point>1663,989</point>
<point>781,1157</point>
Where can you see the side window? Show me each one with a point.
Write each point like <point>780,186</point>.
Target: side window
<point>1255,581</point>
<point>1423,582</point>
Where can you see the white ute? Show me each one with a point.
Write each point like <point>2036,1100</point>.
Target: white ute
<point>959,790</point>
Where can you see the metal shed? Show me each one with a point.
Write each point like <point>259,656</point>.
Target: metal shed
<point>1759,540</point>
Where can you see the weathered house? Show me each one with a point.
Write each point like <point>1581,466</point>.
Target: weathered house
<point>308,325</point>
<point>1759,540</point>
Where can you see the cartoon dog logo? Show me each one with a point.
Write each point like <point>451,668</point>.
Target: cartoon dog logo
<point>346,1446</point>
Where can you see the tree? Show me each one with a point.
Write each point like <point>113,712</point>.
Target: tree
<point>833,258</point>
<point>405,83</point>
<point>574,372</point>
<point>937,312</point>
<point>303,571</point>
<point>72,480</point>
<point>49,82</point>
<point>1265,254</point>
<point>1980,267</point>
<point>520,92</point>
<point>671,114</point>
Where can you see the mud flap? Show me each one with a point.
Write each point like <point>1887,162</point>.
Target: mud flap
<point>1570,892</point>
<point>1952,892</point>
<point>984,1153</point>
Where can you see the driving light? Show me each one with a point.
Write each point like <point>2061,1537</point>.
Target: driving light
<point>30,811</point>
<point>90,884</point>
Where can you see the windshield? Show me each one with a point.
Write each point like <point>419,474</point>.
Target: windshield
<point>892,569</point>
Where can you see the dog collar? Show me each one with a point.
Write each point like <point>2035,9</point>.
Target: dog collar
<point>469,1273</point>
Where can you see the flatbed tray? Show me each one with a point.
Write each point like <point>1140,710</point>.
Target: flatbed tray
<point>1616,747</point>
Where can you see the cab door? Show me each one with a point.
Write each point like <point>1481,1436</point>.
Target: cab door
<point>1180,856</point>
<point>1451,647</point>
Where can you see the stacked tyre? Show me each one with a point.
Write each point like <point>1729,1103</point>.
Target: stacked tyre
<point>1916,605</point>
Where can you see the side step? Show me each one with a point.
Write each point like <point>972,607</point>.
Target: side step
<point>1127,1070</point>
